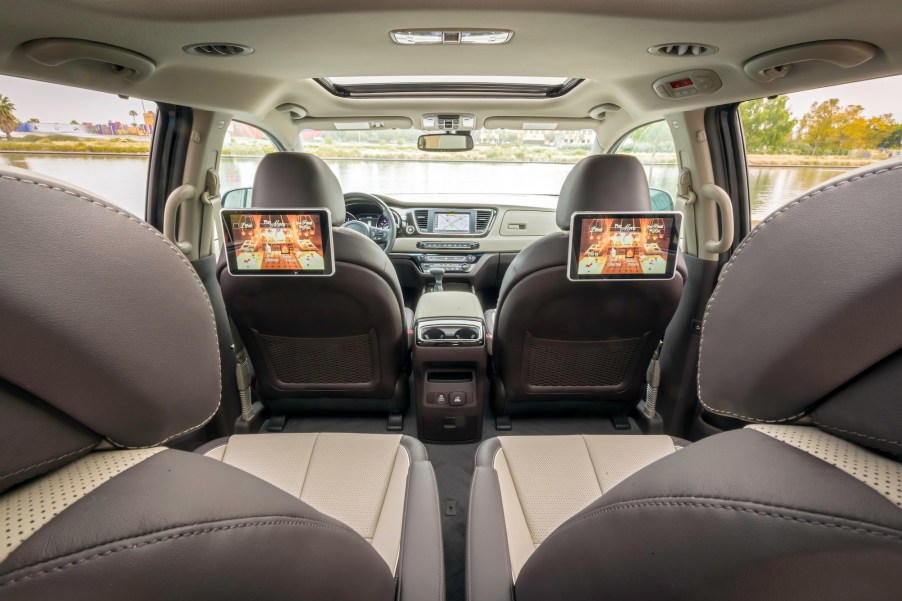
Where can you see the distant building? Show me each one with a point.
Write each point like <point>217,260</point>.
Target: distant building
<point>56,128</point>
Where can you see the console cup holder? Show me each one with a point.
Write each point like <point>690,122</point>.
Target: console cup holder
<point>449,333</point>
<point>466,334</point>
<point>434,334</point>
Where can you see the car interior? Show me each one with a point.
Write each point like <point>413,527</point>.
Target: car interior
<point>590,387</point>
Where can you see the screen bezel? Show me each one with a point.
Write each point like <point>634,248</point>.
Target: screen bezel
<point>325,224</point>
<point>576,221</point>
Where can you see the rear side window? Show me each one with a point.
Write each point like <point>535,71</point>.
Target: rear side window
<point>653,145</point>
<point>797,141</point>
<point>242,150</point>
<point>93,140</point>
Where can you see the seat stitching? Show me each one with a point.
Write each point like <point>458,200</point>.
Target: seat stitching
<point>726,271</point>
<point>642,503</point>
<point>309,461</point>
<point>34,465</point>
<point>874,438</point>
<point>146,226</point>
<point>296,522</point>
<point>601,489</point>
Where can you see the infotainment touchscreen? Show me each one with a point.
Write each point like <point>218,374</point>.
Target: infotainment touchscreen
<point>623,246</point>
<point>278,241</point>
<point>451,223</point>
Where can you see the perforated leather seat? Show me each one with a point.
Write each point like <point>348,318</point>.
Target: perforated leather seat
<point>113,354</point>
<point>560,345</point>
<point>802,337</point>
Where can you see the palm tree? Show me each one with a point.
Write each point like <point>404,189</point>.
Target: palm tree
<point>133,114</point>
<point>8,121</point>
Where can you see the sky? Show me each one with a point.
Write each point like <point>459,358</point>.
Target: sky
<point>60,104</point>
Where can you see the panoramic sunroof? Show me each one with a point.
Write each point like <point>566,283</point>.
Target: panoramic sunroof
<point>448,86</point>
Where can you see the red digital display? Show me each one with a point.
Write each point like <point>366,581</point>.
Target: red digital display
<point>682,83</point>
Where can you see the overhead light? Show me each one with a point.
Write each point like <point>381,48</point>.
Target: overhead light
<point>408,37</point>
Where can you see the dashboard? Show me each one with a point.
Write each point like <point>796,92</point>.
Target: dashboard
<point>371,219</point>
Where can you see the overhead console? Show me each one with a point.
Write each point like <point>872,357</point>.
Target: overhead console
<point>687,83</point>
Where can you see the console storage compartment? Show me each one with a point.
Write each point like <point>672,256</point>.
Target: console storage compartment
<point>449,366</point>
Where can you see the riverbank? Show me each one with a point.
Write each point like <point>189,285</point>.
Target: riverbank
<point>69,145</point>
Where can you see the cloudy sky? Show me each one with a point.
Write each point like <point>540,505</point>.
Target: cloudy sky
<point>60,104</point>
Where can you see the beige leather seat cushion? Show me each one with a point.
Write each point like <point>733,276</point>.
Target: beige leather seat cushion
<point>359,479</point>
<point>545,480</point>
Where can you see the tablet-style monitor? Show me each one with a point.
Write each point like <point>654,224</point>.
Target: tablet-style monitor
<point>287,242</point>
<point>623,246</point>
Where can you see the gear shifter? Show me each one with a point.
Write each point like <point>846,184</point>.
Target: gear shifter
<point>438,273</point>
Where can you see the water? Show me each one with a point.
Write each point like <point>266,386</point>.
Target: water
<point>123,179</point>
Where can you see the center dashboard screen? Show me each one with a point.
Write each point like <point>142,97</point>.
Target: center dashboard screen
<point>278,242</point>
<point>451,223</point>
<point>623,246</point>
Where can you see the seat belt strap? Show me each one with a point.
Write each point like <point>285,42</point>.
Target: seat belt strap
<point>212,204</point>
<point>652,382</point>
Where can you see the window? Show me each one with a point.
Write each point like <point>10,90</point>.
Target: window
<point>653,145</point>
<point>797,141</point>
<point>242,150</point>
<point>92,140</point>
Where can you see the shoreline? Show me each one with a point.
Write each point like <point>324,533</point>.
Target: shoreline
<point>393,160</point>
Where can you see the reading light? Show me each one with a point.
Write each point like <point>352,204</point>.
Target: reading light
<point>408,37</point>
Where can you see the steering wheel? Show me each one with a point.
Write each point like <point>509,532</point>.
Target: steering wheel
<point>385,238</point>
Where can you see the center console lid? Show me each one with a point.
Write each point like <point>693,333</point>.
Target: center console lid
<point>448,304</point>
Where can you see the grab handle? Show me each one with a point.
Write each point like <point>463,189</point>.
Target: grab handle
<point>722,199</point>
<point>179,196</point>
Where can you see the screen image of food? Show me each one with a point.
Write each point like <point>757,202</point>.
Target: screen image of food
<point>618,246</point>
<point>277,242</point>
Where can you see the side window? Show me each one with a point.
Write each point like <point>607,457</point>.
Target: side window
<point>96,141</point>
<point>653,145</point>
<point>242,150</point>
<point>797,141</point>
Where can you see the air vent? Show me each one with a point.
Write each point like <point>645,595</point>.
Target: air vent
<point>218,49</point>
<point>683,49</point>
<point>422,219</point>
<point>483,220</point>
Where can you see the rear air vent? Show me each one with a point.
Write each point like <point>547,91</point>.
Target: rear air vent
<point>218,49</point>
<point>683,49</point>
<point>422,218</point>
<point>483,220</point>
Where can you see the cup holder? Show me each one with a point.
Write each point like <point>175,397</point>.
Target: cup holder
<point>451,334</point>
<point>466,334</point>
<point>434,334</point>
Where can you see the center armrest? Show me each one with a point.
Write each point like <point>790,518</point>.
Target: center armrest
<point>448,304</point>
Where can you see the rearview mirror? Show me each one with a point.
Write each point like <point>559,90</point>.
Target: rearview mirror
<point>660,200</point>
<point>239,198</point>
<point>459,142</point>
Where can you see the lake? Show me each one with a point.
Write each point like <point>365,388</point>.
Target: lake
<point>123,179</point>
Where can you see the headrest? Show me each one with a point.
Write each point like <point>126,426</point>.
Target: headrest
<point>296,180</point>
<point>807,316</point>
<point>107,329</point>
<point>603,182</point>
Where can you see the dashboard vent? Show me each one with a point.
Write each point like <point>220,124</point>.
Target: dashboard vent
<point>682,49</point>
<point>483,220</point>
<point>422,219</point>
<point>218,49</point>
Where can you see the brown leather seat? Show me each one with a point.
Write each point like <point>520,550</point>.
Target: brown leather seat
<point>331,343</point>
<point>109,352</point>
<point>802,338</point>
<point>560,345</point>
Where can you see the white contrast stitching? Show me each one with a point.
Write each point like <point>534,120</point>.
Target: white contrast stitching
<point>34,465</point>
<point>854,433</point>
<point>146,226</point>
<point>726,271</point>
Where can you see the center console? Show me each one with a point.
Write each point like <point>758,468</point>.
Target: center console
<point>449,366</point>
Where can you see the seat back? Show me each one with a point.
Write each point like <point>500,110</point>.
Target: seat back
<point>334,343</point>
<point>560,345</point>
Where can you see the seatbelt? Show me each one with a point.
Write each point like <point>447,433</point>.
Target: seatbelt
<point>652,382</point>
<point>684,203</point>
<point>210,219</point>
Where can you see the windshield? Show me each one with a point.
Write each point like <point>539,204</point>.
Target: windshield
<point>503,161</point>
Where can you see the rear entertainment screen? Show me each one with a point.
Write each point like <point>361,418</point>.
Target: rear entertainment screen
<point>623,246</point>
<point>278,241</point>
<point>452,222</point>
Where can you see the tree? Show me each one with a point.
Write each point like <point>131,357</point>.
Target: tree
<point>893,139</point>
<point>817,125</point>
<point>73,122</point>
<point>766,124</point>
<point>8,121</point>
<point>133,114</point>
<point>831,128</point>
<point>34,120</point>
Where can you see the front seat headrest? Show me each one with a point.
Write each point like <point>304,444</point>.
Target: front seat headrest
<point>297,180</point>
<point>806,319</point>
<point>107,330</point>
<point>603,182</point>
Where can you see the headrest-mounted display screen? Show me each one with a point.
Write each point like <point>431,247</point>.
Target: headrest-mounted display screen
<point>623,246</point>
<point>278,241</point>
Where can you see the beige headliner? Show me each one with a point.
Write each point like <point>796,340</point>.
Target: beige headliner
<point>604,42</point>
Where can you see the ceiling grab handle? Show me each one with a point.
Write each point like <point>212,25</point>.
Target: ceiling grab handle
<point>722,199</point>
<point>178,196</point>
